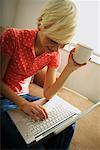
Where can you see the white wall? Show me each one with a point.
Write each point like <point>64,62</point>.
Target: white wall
<point>7,12</point>
<point>20,13</point>
<point>27,13</point>
<point>88,23</point>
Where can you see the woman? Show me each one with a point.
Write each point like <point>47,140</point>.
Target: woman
<point>25,52</point>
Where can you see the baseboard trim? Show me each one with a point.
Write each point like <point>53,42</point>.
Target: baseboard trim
<point>70,90</point>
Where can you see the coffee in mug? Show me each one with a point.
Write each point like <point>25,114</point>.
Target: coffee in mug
<point>82,53</point>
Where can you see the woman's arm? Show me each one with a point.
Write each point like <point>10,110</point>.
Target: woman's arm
<point>27,107</point>
<point>51,85</point>
<point>5,90</point>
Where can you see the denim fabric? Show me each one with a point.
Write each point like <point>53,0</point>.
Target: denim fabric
<point>11,139</point>
<point>6,104</point>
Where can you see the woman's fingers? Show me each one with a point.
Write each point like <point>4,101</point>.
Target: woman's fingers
<point>40,112</point>
<point>44,111</point>
<point>34,117</point>
<point>71,53</point>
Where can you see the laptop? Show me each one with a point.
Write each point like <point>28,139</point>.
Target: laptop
<point>61,114</point>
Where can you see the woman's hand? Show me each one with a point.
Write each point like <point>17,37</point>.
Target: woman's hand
<point>71,63</point>
<point>34,110</point>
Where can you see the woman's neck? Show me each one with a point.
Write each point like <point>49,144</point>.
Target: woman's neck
<point>38,46</point>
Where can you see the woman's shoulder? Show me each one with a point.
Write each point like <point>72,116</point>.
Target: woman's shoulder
<point>23,32</point>
<point>27,31</point>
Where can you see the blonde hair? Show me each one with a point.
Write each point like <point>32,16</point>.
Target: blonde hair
<point>58,20</point>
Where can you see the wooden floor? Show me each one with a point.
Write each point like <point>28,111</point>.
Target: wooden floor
<point>87,134</point>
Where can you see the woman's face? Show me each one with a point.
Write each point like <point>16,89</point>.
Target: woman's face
<point>48,44</point>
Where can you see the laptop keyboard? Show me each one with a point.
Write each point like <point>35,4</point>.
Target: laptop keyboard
<point>56,115</point>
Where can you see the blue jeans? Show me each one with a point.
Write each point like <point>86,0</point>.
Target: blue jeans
<point>11,139</point>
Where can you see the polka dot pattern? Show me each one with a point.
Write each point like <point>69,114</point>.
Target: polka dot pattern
<point>18,45</point>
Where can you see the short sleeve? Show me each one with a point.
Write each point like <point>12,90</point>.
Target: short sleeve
<point>7,42</point>
<point>55,60</point>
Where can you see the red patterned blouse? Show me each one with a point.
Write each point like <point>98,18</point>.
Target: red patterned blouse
<point>18,45</point>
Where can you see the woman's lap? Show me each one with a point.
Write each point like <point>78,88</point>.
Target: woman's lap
<point>13,138</point>
<point>6,104</point>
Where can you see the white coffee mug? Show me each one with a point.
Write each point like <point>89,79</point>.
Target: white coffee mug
<point>82,53</point>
